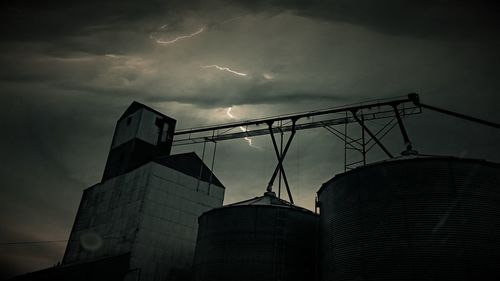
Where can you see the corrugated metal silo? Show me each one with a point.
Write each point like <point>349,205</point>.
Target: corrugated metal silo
<point>422,218</point>
<point>261,239</point>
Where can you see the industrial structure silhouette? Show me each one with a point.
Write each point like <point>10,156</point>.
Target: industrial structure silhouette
<point>156,216</point>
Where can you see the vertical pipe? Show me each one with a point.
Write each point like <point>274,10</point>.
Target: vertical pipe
<point>212,167</point>
<point>281,155</point>
<point>363,142</point>
<point>345,142</point>
<point>201,165</point>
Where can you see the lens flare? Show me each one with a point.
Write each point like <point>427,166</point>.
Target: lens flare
<point>91,241</point>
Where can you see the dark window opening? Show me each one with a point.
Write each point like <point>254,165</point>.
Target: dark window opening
<point>129,120</point>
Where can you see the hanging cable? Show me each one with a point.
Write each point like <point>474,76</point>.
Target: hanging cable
<point>33,242</point>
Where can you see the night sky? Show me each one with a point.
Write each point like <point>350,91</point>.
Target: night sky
<point>70,68</point>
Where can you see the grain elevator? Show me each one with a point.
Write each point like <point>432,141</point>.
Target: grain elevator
<point>147,204</point>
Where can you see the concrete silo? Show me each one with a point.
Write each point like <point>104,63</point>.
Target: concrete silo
<point>420,218</point>
<point>264,238</point>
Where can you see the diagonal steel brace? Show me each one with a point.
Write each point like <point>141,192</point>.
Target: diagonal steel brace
<point>279,166</point>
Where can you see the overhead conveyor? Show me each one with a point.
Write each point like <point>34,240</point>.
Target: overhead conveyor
<point>391,110</point>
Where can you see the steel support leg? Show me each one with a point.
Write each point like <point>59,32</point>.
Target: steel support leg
<point>371,134</point>
<point>279,166</point>
<point>402,128</point>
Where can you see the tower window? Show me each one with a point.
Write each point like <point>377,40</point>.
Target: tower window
<point>129,120</point>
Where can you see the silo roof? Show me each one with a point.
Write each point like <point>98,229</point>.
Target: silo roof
<point>189,164</point>
<point>268,199</point>
<point>417,157</point>
<point>135,106</point>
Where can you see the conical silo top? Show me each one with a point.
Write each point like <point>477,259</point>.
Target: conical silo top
<point>268,199</point>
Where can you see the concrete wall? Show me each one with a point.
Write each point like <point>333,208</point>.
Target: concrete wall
<point>108,217</point>
<point>165,243</point>
<point>151,212</point>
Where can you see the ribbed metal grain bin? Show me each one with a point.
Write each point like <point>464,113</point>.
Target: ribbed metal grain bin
<point>261,239</point>
<point>435,218</point>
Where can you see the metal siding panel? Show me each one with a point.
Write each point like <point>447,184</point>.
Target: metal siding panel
<point>420,219</point>
<point>256,243</point>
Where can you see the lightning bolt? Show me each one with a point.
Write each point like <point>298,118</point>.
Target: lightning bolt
<point>228,113</point>
<point>223,68</point>
<point>168,42</point>
<point>249,140</point>
<point>152,36</point>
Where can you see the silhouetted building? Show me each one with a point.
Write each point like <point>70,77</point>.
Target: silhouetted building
<point>413,217</point>
<point>141,220</point>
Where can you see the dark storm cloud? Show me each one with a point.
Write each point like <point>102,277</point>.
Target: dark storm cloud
<point>65,21</point>
<point>57,20</point>
<point>425,18</point>
<point>46,20</point>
